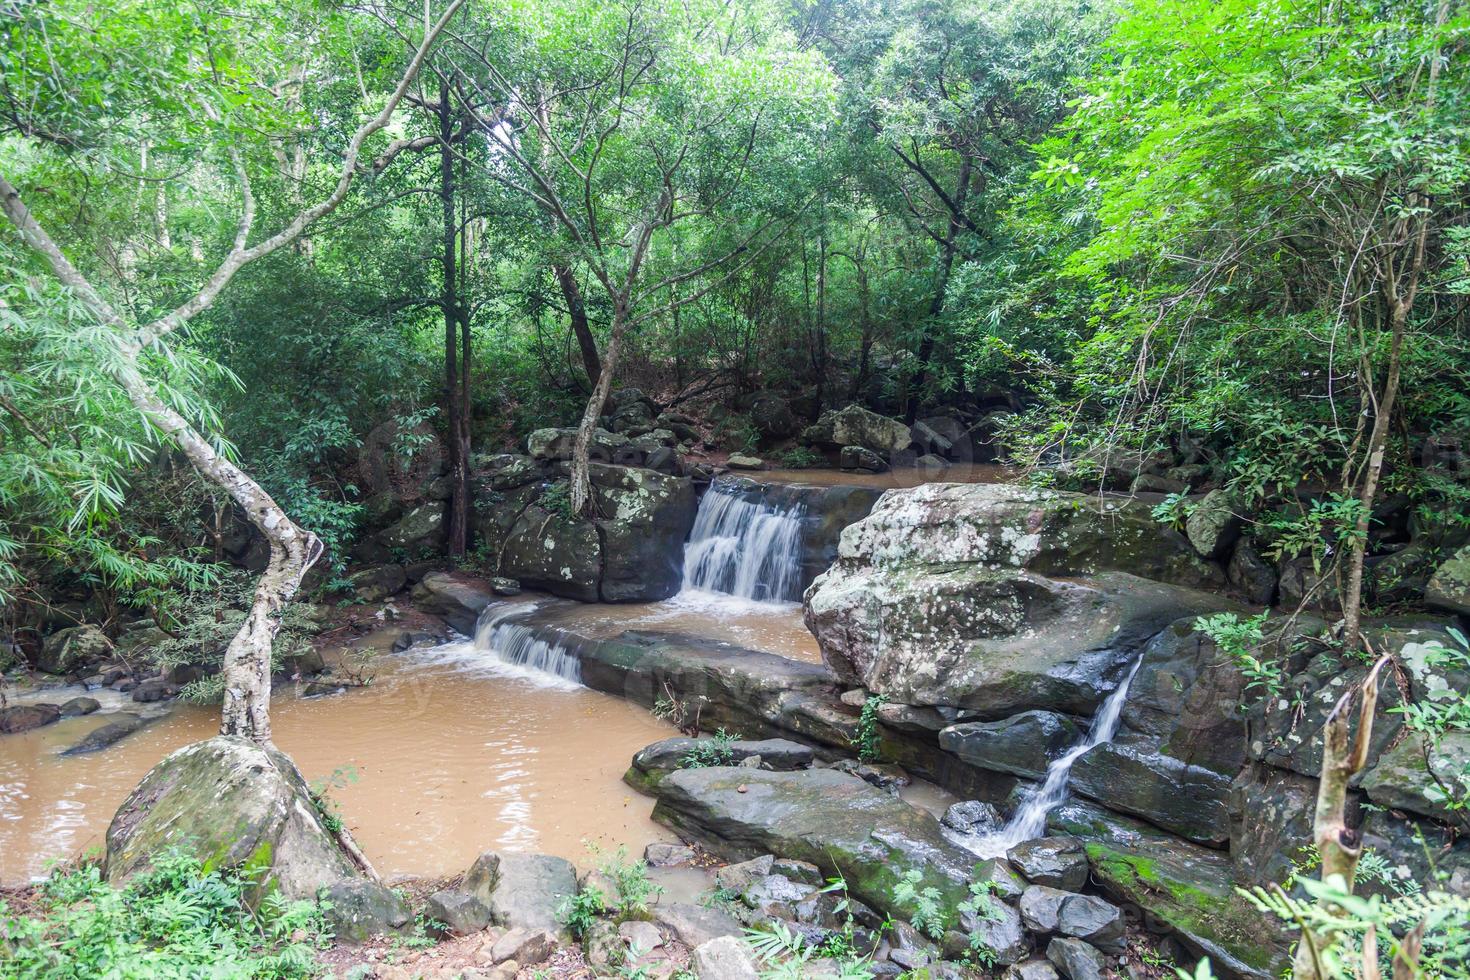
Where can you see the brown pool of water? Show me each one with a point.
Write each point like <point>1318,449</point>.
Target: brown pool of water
<point>772,627</point>
<point>447,753</point>
<point>903,477</point>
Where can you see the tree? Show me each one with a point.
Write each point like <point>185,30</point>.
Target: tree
<point>635,127</point>
<point>53,48</point>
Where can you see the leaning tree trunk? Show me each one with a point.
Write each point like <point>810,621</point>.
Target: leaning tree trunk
<point>582,448</point>
<point>572,293</point>
<point>246,674</point>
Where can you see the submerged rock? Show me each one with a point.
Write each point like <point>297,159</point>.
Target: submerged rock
<point>235,804</point>
<point>122,725</point>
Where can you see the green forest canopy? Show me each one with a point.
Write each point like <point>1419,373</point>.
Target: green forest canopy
<point>1237,224</point>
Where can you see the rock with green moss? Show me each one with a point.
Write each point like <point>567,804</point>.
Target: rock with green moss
<point>73,648</point>
<point>1428,776</point>
<point>1180,886</point>
<point>856,426</point>
<point>1214,524</point>
<point>833,820</point>
<point>236,805</point>
<point>1449,586</point>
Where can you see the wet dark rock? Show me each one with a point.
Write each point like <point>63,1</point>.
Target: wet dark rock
<point>154,689</point>
<point>1022,744</point>
<point>24,717</point>
<point>770,413</point>
<point>1250,575</point>
<point>1270,822</point>
<point>1076,960</point>
<point>884,776</point>
<point>1089,918</point>
<point>322,689</point>
<point>79,706</point>
<point>457,913</point>
<point>419,532</point>
<point>410,638</point>
<point>114,731</point>
<point>662,855</point>
<point>375,584</point>
<point>1059,862</point>
<point>832,820</point>
<point>1188,800</point>
<point>973,817</point>
<point>360,909</point>
<point>858,458</point>
<point>233,803</point>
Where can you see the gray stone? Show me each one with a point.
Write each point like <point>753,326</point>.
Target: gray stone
<point>372,585</point>
<point>360,909</point>
<point>1213,524</point>
<point>741,875</point>
<point>652,763</point>
<point>856,426</point>
<point>1000,930</point>
<point>835,821</point>
<point>662,855</point>
<point>558,444</point>
<point>528,947</point>
<point>522,890</point>
<point>154,689</point>
<point>1426,776</point>
<point>726,958</point>
<point>79,706</point>
<point>1250,575</point>
<point>418,532</point>
<point>1041,906</point>
<point>459,913</point>
<point>1032,969</point>
<point>1022,744</point>
<point>740,461</point>
<point>858,458</point>
<point>1090,918</point>
<point>233,803</point>
<point>1059,862</point>
<point>120,727</point>
<point>1076,960</point>
<point>694,925</point>
<point>972,817</point>
<point>641,936</point>
<point>68,650</point>
<point>1189,800</point>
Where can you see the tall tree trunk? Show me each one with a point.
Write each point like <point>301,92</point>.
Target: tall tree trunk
<point>582,448</point>
<point>454,408</point>
<point>947,252</point>
<point>571,293</point>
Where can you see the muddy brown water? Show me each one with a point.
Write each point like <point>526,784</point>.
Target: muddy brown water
<point>452,752</point>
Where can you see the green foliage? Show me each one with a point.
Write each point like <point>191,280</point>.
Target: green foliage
<point>579,912</point>
<point>177,919</point>
<point>784,954</point>
<point>1243,641</point>
<point>868,741</point>
<point>925,905</point>
<point>1173,511</point>
<point>710,752</point>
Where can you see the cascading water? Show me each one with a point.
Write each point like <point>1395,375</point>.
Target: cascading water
<point>1029,821</point>
<point>503,645</point>
<point>746,548</point>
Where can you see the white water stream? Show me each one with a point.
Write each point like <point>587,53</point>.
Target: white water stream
<point>745,548</point>
<point>1029,820</point>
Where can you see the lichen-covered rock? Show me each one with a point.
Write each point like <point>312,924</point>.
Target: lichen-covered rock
<point>358,909</point>
<point>371,585</point>
<point>1424,775</point>
<point>1449,586</point>
<point>1270,822</point>
<point>1213,524</point>
<point>234,804</point>
<point>856,426</point>
<point>65,651</point>
<point>418,533</point>
<point>558,444</point>
<point>745,461</point>
<point>860,458</point>
<point>652,763</point>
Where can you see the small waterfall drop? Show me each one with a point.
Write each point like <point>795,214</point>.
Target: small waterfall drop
<point>1029,820</point>
<point>517,644</point>
<point>745,548</point>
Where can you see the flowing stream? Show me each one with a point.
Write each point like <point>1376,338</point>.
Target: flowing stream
<point>1029,820</point>
<point>745,548</point>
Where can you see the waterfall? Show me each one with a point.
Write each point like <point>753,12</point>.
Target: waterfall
<point>1029,820</point>
<point>517,644</point>
<point>743,547</point>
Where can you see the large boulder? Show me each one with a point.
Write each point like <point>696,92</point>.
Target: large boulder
<point>1187,800</point>
<point>1449,586</point>
<point>1022,745</point>
<point>1429,776</point>
<point>235,804</point>
<point>1214,525</point>
<point>828,818</point>
<point>65,651</point>
<point>558,444</point>
<point>652,763</point>
<point>417,534</point>
<point>856,426</point>
<point>770,413</point>
<point>24,717</point>
<point>522,891</point>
